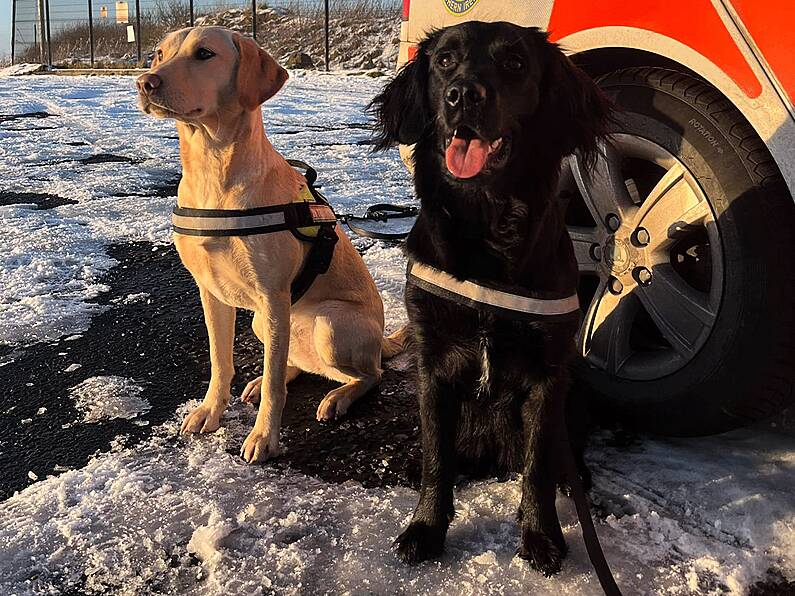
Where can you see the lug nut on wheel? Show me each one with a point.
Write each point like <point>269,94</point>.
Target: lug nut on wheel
<point>613,222</point>
<point>644,276</point>
<point>596,252</point>
<point>615,286</point>
<point>642,236</point>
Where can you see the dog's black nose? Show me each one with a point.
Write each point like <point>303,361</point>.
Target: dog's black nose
<point>465,94</point>
<point>147,83</point>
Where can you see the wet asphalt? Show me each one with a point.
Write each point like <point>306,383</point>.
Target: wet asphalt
<point>161,343</point>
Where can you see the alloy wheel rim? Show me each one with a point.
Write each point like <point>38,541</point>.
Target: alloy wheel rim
<point>649,314</point>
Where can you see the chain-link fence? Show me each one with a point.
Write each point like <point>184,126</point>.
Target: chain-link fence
<point>123,33</point>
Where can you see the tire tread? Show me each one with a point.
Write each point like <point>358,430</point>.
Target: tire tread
<point>776,388</point>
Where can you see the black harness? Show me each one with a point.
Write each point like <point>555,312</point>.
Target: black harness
<point>311,220</point>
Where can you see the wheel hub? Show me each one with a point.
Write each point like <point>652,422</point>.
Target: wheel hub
<point>620,257</point>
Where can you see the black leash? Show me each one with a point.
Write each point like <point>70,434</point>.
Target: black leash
<point>380,212</point>
<point>589,536</point>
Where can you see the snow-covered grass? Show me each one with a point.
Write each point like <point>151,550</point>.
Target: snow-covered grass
<point>172,514</point>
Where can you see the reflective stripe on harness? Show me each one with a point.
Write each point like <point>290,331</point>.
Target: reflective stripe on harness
<point>471,294</point>
<point>260,220</point>
<point>210,222</point>
<point>310,218</point>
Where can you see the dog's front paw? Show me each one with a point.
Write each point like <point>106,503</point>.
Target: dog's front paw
<point>203,419</point>
<point>420,542</point>
<point>541,552</point>
<point>259,446</point>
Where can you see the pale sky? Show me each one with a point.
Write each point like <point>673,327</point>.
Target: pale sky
<point>5,28</point>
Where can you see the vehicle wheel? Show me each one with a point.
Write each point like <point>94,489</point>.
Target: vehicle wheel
<point>685,236</point>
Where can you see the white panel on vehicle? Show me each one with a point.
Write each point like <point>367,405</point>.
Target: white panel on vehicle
<point>435,14</point>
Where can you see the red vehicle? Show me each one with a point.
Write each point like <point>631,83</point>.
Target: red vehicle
<point>685,229</point>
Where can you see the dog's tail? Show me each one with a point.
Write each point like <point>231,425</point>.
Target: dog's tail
<point>394,344</point>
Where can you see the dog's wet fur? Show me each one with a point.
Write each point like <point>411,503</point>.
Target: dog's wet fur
<point>492,390</point>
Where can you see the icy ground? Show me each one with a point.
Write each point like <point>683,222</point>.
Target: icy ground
<point>108,397</point>
<point>695,516</point>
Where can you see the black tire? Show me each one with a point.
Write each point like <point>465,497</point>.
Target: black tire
<point>746,369</point>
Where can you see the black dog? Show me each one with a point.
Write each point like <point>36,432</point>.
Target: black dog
<point>493,109</point>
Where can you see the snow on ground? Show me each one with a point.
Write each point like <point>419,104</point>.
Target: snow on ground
<point>185,514</point>
<point>703,516</point>
<point>20,69</point>
<point>108,397</point>
<point>50,260</point>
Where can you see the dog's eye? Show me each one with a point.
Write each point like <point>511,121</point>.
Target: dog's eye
<point>204,54</point>
<point>446,60</point>
<point>513,64</point>
<point>159,55</point>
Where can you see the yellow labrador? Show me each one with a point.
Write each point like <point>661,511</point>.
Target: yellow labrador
<point>212,82</point>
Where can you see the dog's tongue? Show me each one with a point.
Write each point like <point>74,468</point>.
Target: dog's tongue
<point>466,157</point>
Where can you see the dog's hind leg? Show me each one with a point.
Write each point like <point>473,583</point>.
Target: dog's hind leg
<point>542,539</point>
<point>220,321</point>
<point>251,393</point>
<point>337,401</point>
<point>349,348</point>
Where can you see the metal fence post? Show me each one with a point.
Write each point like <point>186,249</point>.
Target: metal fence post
<point>91,31</point>
<point>191,12</point>
<point>49,39</point>
<point>254,19</point>
<point>327,44</point>
<point>137,29</point>
<point>13,28</point>
<point>42,31</point>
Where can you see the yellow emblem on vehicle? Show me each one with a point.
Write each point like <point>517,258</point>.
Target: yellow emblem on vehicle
<point>459,7</point>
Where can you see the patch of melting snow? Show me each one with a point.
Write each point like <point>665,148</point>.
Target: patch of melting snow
<point>20,69</point>
<point>50,261</point>
<point>183,514</point>
<point>106,398</point>
<point>131,298</point>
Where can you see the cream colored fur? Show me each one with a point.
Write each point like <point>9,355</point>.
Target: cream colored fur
<point>336,329</point>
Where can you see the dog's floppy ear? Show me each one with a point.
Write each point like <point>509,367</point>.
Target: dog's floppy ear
<point>259,77</point>
<point>402,109</point>
<point>573,109</point>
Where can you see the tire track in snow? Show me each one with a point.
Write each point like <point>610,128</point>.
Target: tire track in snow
<point>613,485</point>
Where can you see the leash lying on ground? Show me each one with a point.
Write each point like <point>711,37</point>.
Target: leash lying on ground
<point>589,535</point>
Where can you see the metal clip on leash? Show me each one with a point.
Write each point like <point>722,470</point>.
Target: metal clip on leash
<point>379,212</point>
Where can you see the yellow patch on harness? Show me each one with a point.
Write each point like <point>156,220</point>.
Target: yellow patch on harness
<point>305,196</point>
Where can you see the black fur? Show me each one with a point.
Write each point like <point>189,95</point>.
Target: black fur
<point>501,228</point>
